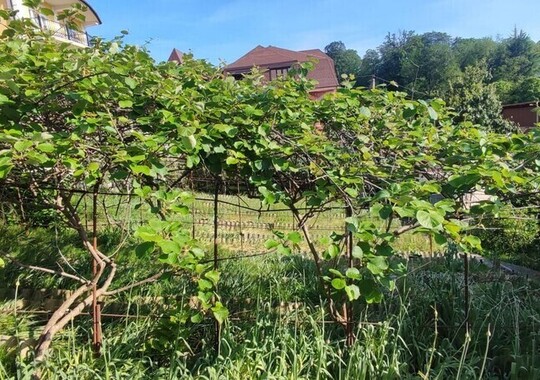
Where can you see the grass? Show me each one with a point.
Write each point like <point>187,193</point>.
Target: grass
<point>277,330</point>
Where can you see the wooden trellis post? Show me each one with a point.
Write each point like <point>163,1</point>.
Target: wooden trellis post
<point>217,326</point>
<point>240,216</point>
<point>467,306</point>
<point>216,221</point>
<point>349,318</point>
<point>192,208</point>
<point>85,212</point>
<point>96,307</point>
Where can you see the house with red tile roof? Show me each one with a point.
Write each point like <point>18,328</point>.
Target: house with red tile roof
<point>176,56</point>
<point>277,62</point>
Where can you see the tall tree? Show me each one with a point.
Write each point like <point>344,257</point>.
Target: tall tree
<point>392,55</point>
<point>426,64</point>
<point>525,91</point>
<point>421,63</point>
<point>517,57</point>
<point>469,51</point>
<point>370,66</point>
<point>476,100</point>
<point>429,63</point>
<point>347,61</point>
<point>515,65</point>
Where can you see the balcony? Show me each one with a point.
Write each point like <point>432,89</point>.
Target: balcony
<point>57,28</point>
<point>90,15</point>
<point>61,31</point>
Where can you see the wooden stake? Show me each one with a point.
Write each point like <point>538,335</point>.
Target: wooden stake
<point>467,295</point>
<point>217,326</point>
<point>192,209</point>
<point>240,215</point>
<point>349,306</point>
<point>96,307</point>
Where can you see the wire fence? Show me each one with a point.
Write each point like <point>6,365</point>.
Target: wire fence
<point>241,221</point>
<point>231,219</point>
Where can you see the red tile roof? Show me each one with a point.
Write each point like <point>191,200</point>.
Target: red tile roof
<point>176,55</point>
<point>273,57</point>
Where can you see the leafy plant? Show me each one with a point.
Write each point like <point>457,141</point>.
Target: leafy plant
<point>107,119</point>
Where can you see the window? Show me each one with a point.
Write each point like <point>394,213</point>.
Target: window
<point>278,73</point>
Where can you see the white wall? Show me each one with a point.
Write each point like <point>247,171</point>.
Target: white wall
<point>18,6</point>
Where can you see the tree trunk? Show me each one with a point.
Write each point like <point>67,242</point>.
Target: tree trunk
<point>64,314</point>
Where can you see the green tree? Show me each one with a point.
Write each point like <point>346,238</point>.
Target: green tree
<point>516,68</point>
<point>368,68</point>
<point>470,51</point>
<point>476,100</point>
<point>517,57</point>
<point>526,90</point>
<point>347,61</point>
<point>425,64</point>
<point>429,63</point>
<point>392,56</point>
<point>421,63</point>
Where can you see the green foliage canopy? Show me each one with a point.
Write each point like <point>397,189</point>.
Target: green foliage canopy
<point>109,117</point>
<point>430,63</point>
<point>475,99</point>
<point>347,61</point>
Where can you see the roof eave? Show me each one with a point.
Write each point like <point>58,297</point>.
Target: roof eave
<point>534,103</point>
<point>244,69</point>
<point>92,10</point>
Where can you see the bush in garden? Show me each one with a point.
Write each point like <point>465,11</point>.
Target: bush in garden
<point>512,235</point>
<point>109,117</point>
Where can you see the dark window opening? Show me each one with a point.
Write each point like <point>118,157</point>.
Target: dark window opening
<point>278,73</point>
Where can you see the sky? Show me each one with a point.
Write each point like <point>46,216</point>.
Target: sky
<point>224,30</point>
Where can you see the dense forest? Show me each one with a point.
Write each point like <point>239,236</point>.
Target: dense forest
<point>469,73</point>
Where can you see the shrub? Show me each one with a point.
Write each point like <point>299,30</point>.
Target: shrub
<point>513,236</point>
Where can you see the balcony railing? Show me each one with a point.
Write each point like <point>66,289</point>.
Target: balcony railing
<point>62,31</point>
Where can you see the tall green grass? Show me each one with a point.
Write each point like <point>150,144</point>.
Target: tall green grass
<point>278,330</point>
